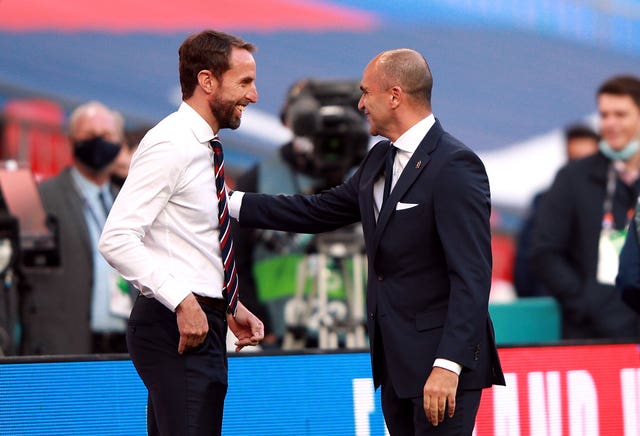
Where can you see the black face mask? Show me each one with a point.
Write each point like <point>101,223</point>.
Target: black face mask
<point>96,153</point>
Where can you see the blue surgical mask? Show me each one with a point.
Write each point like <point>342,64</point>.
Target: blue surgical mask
<point>96,153</point>
<point>629,150</point>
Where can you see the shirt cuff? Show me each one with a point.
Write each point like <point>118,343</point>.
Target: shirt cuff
<point>235,202</point>
<point>448,364</point>
<point>171,293</point>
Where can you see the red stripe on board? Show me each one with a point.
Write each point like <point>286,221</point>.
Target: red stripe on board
<point>147,15</point>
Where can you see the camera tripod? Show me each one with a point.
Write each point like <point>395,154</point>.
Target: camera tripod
<point>333,319</point>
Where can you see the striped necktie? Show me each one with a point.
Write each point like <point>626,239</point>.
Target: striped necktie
<point>226,241</point>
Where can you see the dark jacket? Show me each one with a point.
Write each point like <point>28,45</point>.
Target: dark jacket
<point>565,250</point>
<point>429,265</point>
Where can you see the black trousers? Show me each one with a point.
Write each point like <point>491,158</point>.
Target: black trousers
<point>186,391</point>
<point>406,417</point>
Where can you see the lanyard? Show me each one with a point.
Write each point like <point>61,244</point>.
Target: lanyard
<point>607,206</point>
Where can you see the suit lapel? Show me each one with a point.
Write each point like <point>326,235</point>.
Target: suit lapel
<point>75,202</point>
<point>410,173</point>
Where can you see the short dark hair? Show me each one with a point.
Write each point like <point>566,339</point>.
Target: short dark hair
<point>575,131</point>
<point>207,50</point>
<point>622,85</point>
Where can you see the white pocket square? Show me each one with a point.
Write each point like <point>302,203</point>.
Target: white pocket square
<point>402,206</point>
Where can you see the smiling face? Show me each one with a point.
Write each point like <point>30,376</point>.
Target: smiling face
<point>375,100</point>
<point>619,120</point>
<point>236,90</point>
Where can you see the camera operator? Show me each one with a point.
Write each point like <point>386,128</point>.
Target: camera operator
<point>329,139</point>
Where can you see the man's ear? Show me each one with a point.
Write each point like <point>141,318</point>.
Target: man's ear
<point>395,97</point>
<point>207,81</point>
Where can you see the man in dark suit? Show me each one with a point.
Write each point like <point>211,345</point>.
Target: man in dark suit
<point>428,245</point>
<point>69,310</point>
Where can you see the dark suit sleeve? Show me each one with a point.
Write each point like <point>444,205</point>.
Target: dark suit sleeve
<point>628,280</point>
<point>329,210</point>
<point>551,240</point>
<point>462,207</point>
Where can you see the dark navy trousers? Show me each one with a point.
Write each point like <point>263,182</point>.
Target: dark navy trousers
<point>186,392</point>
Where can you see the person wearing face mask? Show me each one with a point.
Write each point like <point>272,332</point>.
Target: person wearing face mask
<point>583,220</point>
<point>80,307</point>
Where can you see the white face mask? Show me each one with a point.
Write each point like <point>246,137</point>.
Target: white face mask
<point>629,150</point>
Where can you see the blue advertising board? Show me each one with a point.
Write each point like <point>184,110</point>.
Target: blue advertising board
<point>306,394</point>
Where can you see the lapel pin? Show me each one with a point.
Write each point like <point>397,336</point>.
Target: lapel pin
<point>418,164</point>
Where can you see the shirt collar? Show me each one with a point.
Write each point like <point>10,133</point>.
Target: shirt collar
<point>87,188</point>
<point>410,139</point>
<point>200,128</point>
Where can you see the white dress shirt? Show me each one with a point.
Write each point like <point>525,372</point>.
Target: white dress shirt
<point>162,232</point>
<point>406,144</point>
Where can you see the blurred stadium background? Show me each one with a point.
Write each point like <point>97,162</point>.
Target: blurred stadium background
<point>509,76</point>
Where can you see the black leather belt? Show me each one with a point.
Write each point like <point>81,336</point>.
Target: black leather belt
<point>218,304</point>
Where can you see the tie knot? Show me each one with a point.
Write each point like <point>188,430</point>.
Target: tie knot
<point>392,149</point>
<point>216,145</point>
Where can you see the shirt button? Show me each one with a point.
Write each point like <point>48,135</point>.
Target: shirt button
<point>371,315</point>
<point>380,277</point>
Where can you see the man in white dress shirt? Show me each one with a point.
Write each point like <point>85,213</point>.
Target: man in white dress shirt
<point>162,235</point>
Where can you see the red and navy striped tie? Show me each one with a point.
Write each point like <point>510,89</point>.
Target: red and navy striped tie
<point>226,241</point>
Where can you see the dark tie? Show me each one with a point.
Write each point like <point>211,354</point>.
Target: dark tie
<point>388,171</point>
<point>103,203</point>
<point>226,241</point>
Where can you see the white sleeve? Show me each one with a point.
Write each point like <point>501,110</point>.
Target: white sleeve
<point>153,177</point>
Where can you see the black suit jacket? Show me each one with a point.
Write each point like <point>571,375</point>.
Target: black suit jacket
<point>429,265</point>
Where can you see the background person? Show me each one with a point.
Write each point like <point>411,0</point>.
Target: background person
<point>580,142</point>
<point>583,218</point>
<point>80,307</point>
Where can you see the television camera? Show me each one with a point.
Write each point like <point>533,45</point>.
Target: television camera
<point>325,112</point>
